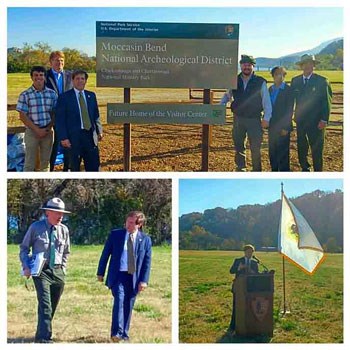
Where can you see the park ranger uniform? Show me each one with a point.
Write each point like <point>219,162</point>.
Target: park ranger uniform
<point>53,241</point>
<point>313,98</point>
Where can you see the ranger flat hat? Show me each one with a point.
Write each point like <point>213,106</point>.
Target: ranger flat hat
<point>247,59</point>
<point>248,246</point>
<point>307,58</point>
<point>55,204</point>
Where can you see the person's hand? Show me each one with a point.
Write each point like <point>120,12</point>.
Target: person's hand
<point>241,266</point>
<point>26,272</point>
<point>321,125</point>
<point>99,278</point>
<point>66,143</point>
<point>264,124</point>
<point>100,137</point>
<point>284,132</point>
<point>41,133</point>
<point>142,286</point>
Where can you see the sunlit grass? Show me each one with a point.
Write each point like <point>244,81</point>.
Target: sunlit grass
<point>84,313</point>
<point>205,299</point>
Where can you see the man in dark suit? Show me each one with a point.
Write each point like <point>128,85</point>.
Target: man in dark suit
<point>313,97</point>
<point>245,264</point>
<point>60,81</point>
<point>129,251</point>
<point>78,124</point>
<point>282,101</point>
<point>241,266</point>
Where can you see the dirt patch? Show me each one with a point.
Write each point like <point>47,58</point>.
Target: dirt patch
<point>178,148</point>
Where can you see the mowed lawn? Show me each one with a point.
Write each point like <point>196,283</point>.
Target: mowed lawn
<point>17,82</point>
<point>205,299</point>
<point>84,312</point>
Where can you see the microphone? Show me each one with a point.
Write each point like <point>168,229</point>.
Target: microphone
<point>255,258</point>
<point>259,262</point>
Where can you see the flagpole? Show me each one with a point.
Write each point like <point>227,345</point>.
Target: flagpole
<point>284,288</point>
<point>283,268</point>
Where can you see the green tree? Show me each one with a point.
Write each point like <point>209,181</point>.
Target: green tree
<point>97,206</point>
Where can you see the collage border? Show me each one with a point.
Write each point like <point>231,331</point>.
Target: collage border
<point>345,175</point>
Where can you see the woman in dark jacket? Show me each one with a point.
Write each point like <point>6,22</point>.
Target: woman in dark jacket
<point>281,121</point>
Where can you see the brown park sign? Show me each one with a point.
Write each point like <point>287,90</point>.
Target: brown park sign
<point>166,55</point>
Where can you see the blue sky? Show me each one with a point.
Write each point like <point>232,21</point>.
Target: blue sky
<point>267,31</point>
<point>196,195</point>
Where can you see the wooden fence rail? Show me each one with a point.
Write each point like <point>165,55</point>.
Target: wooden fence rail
<point>192,99</point>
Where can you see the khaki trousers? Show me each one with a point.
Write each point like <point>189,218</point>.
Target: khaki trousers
<point>33,145</point>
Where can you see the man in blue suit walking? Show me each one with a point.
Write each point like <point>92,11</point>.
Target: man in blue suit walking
<point>78,123</point>
<point>129,251</point>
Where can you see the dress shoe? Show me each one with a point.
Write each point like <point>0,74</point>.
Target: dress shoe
<point>44,341</point>
<point>115,339</point>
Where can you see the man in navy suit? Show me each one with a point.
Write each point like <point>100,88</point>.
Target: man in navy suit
<point>60,81</point>
<point>78,123</point>
<point>241,266</point>
<point>129,251</point>
<point>245,264</point>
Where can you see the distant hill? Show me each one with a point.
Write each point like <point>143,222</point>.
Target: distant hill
<point>327,47</point>
<point>332,47</point>
<point>316,50</point>
<point>230,229</point>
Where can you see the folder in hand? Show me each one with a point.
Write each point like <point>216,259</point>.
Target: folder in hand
<point>36,263</point>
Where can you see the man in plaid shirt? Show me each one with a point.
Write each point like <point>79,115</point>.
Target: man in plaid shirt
<point>35,106</point>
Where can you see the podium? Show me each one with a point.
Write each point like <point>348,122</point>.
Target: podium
<point>254,304</point>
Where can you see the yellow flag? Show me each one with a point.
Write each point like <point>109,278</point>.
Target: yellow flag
<point>296,240</point>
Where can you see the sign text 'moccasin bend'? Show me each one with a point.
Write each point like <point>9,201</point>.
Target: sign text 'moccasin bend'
<point>155,59</point>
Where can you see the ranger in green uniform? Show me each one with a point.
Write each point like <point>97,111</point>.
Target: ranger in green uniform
<point>313,97</point>
<point>51,237</point>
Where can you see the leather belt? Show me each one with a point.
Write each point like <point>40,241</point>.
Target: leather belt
<point>56,266</point>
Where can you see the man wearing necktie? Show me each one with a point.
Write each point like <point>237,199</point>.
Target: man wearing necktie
<point>241,266</point>
<point>313,98</point>
<point>60,81</point>
<point>51,237</point>
<point>129,254</point>
<point>78,124</point>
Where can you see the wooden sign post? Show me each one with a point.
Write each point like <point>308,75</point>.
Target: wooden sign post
<point>127,135</point>
<point>205,135</point>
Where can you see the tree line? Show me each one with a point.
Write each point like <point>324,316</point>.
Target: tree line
<point>21,60</point>
<point>230,229</point>
<point>38,54</point>
<point>97,206</point>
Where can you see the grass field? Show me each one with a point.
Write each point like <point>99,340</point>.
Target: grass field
<point>17,82</point>
<point>84,312</point>
<point>177,147</point>
<point>205,299</point>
